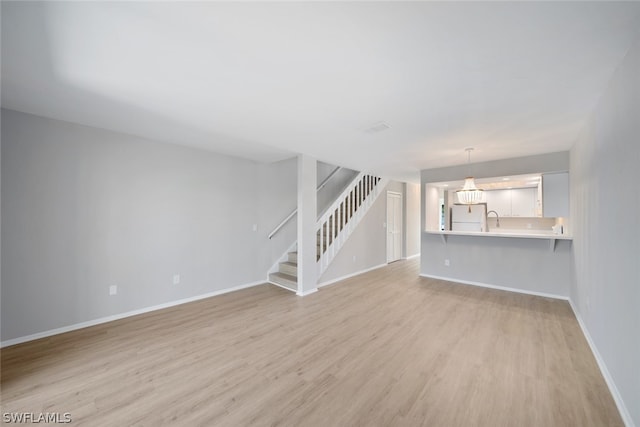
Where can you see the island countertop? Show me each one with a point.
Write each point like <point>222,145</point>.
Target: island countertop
<point>526,234</point>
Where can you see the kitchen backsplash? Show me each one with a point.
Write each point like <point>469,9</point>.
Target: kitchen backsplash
<point>508,223</point>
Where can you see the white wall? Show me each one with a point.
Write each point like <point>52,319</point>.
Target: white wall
<point>605,204</point>
<point>277,199</point>
<point>333,187</point>
<point>84,208</point>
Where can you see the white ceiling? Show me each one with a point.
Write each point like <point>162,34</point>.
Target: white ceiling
<point>269,80</point>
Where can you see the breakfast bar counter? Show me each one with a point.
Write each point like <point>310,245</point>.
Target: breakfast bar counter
<point>529,261</point>
<point>518,234</point>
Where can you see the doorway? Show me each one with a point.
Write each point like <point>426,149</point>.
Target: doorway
<point>394,226</point>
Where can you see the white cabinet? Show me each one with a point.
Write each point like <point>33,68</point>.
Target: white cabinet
<point>555,194</point>
<point>519,202</point>
<point>523,202</point>
<point>499,201</point>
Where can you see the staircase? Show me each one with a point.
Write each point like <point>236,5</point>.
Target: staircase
<point>333,228</point>
<point>287,275</point>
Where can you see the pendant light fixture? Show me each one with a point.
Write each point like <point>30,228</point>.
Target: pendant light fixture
<point>470,194</point>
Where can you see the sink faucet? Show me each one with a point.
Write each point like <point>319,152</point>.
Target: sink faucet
<point>497,218</point>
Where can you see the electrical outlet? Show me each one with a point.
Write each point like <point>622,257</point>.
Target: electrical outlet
<point>113,290</point>
<point>176,279</point>
<point>354,258</point>
<point>255,227</point>
<point>447,263</point>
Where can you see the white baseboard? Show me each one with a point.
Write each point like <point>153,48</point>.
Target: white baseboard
<point>305,293</point>
<point>413,256</point>
<point>330,282</point>
<point>300,294</point>
<point>119,316</point>
<point>502,288</point>
<point>622,408</point>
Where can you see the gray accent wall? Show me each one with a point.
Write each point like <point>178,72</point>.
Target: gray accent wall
<point>84,209</point>
<point>605,206</point>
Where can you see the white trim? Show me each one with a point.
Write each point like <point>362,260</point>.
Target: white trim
<point>309,292</point>
<point>502,288</point>
<point>111,318</point>
<point>332,281</point>
<point>622,408</point>
<point>412,256</point>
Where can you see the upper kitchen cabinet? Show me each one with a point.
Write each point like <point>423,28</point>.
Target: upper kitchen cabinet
<point>555,194</point>
<point>499,201</point>
<point>523,202</point>
<point>516,202</point>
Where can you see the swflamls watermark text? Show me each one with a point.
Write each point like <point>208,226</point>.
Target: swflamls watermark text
<point>36,417</point>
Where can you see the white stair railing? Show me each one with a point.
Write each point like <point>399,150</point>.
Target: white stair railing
<point>340,219</point>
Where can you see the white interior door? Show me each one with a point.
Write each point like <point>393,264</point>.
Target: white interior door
<point>394,226</point>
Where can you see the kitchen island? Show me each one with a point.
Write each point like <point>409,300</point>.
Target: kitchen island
<point>529,261</point>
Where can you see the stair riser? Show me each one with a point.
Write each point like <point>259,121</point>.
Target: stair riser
<point>292,257</point>
<point>289,284</point>
<point>291,270</point>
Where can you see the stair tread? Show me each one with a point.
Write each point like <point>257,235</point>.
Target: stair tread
<point>284,280</point>
<point>291,263</point>
<point>284,276</point>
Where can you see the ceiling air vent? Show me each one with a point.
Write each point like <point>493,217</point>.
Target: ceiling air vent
<point>377,127</point>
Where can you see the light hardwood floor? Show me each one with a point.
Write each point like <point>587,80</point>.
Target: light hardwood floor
<point>386,348</point>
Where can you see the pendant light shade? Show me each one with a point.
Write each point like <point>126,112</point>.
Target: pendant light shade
<point>469,194</point>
